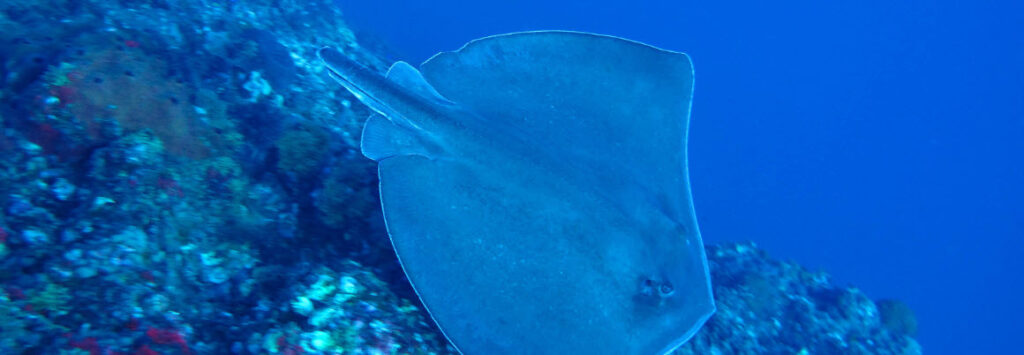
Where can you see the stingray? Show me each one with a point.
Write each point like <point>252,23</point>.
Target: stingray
<point>535,189</point>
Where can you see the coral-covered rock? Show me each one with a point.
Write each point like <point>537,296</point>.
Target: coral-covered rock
<point>131,86</point>
<point>301,151</point>
<point>768,306</point>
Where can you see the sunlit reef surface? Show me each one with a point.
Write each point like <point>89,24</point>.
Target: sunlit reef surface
<point>180,177</point>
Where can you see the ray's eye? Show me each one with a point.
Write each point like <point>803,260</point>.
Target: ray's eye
<point>666,289</point>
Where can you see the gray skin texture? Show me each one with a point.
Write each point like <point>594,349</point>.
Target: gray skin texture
<point>535,189</point>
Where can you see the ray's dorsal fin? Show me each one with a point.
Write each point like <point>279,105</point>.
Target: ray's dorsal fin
<point>406,76</point>
<point>383,139</point>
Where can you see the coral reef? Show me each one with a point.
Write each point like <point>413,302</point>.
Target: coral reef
<point>301,151</point>
<point>181,178</point>
<point>772,307</point>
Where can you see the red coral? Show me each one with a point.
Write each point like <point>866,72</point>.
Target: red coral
<point>287,349</point>
<point>145,350</point>
<point>168,337</point>
<point>46,136</point>
<point>67,94</point>
<point>88,344</point>
<point>74,76</point>
<point>14,293</point>
<point>170,186</point>
<point>3,235</point>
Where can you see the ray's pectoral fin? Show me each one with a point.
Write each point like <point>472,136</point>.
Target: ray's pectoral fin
<point>550,165</point>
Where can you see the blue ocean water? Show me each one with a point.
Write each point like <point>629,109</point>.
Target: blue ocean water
<point>879,141</point>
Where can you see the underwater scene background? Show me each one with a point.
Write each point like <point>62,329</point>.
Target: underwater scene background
<point>181,177</point>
